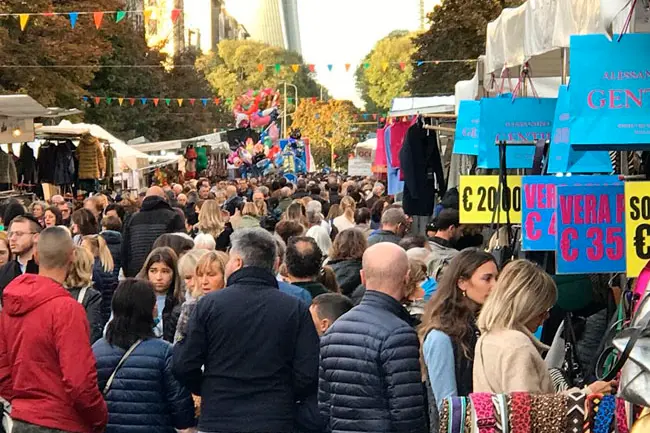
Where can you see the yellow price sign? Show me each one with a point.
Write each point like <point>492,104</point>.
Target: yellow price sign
<point>637,226</point>
<point>479,199</point>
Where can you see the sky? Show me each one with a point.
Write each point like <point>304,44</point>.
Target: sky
<point>344,31</point>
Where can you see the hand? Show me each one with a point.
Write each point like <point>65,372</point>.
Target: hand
<point>601,387</point>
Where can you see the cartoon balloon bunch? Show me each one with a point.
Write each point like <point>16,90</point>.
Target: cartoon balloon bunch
<point>256,109</point>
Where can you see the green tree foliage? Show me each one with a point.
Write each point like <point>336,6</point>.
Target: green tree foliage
<point>234,69</point>
<point>379,77</point>
<point>50,40</point>
<point>458,31</point>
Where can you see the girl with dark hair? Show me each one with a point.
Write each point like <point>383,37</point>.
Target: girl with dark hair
<point>84,223</point>
<point>52,217</point>
<point>448,332</point>
<point>178,242</point>
<point>160,269</point>
<point>144,379</point>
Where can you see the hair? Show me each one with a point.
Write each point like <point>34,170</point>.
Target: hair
<point>448,310</point>
<point>34,225</point>
<point>362,216</point>
<point>260,205</point>
<point>187,263</point>
<point>178,242</point>
<point>418,273</point>
<point>42,204</point>
<point>97,202</point>
<point>205,241</point>
<point>255,246</point>
<point>303,257</point>
<point>288,229</point>
<point>250,209</point>
<point>96,244</point>
<point>85,221</point>
<point>111,223</point>
<point>413,241</point>
<point>210,220</point>
<point>393,217</point>
<point>13,210</point>
<point>212,258</point>
<point>132,308</point>
<point>447,218</point>
<point>524,291</point>
<point>335,211</point>
<point>119,210</point>
<point>167,256</point>
<point>80,273</point>
<point>296,212</point>
<point>314,206</point>
<point>58,217</point>
<point>327,277</point>
<point>331,306</point>
<point>349,244</point>
<point>54,248</point>
<point>4,238</point>
<point>378,209</point>
<point>348,206</point>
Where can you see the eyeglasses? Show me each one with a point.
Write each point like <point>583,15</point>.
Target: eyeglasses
<point>19,234</point>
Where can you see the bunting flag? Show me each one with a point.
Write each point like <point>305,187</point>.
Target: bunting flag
<point>374,117</point>
<point>98,17</point>
<point>313,99</point>
<point>366,65</point>
<point>347,67</point>
<point>402,66</point>
<point>147,15</point>
<point>97,100</point>
<point>84,98</point>
<point>23,21</point>
<point>217,101</point>
<point>295,68</point>
<point>180,102</point>
<point>156,101</point>
<point>144,101</point>
<point>132,101</point>
<point>73,18</point>
<point>204,101</point>
<point>260,67</point>
<point>277,67</point>
<point>176,13</point>
<point>109,100</point>
<point>290,100</point>
<point>192,101</point>
<point>119,16</point>
<point>420,63</point>
<point>312,68</point>
<point>168,101</point>
<point>120,101</point>
<point>329,67</point>
<point>384,66</point>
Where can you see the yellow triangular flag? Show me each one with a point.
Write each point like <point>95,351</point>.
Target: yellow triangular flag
<point>295,68</point>
<point>384,66</point>
<point>147,14</point>
<point>23,20</point>
<point>180,102</point>
<point>120,100</point>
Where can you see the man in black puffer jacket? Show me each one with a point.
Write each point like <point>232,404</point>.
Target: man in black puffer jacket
<point>370,378</point>
<point>155,218</point>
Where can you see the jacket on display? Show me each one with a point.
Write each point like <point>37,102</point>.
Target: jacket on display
<point>109,157</point>
<point>64,166</point>
<point>144,395</point>
<point>393,177</point>
<point>421,166</point>
<point>8,172</point>
<point>91,158</point>
<point>370,378</point>
<point>26,165</point>
<point>92,303</point>
<point>46,162</point>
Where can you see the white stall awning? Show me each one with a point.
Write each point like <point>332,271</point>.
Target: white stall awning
<point>424,105</point>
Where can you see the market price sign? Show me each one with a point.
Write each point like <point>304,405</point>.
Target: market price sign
<point>539,224</point>
<point>590,229</point>
<point>637,226</point>
<point>479,200</point>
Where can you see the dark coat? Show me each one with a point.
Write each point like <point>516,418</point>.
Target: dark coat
<point>370,379</point>
<point>105,283</point>
<point>92,303</point>
<point>64,172</point>
<point>114,243</point>
<point>254,374</point>
<point>46,162</point>
<point>144,395</point>
<point>26,165</point>
<point>422,168</point>
<point>11,270</point>
<point>155,218</point>
<point>347,274</point>
<point>170,315</point>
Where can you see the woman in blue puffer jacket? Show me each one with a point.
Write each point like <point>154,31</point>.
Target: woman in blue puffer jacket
<point>105,272</point>
<point>144,395</point>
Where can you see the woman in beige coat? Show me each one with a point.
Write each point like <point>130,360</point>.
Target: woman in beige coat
<point>508,357</point>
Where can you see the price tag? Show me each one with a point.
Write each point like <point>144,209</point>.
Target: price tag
<point>479,199</point>
<point>590,229</point>
<point>637,226</point>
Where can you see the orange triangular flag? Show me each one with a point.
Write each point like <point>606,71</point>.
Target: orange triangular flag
<point>180,102</point>
<point>295,68</point>
<point>156,101</point>
<point>97,99</point>
<point>175,14</point>
<point>23,20</point>
<point>120,101</point>
<point>384,66</point>
<point>147,14</point>
<point>260,67</point>
<point>217,101</point>
<point>98,17</point>
<point>347,67</point>
<point>402,65</point>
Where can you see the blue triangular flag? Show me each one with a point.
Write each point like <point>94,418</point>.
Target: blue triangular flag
<point>73,18</point>
<point>330,67</point>
<point>204,101</point>
<point>420,63</point>
<point>85,98</point>
<point>144,101</point>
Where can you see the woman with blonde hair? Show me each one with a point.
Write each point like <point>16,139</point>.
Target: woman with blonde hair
<point>296,212</point>
<point>5,251</point>
<point>187,271</point>
<point>80,285</point>
<point>346,220</point>
<point>210,220</point>
<point>508,356</point>
<point>37,209</point>
<point>104,273</point>
<point>249,217</point>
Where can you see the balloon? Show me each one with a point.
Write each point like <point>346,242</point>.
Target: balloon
<point>245,156</point>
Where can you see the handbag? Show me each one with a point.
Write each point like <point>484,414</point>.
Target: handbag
<point>109,382</point>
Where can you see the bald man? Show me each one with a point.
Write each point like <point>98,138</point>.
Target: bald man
<point>370,379</point>
<point>156,217</point>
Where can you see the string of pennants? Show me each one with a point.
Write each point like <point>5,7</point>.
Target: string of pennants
<point>98,16</point>
<point>277,67</point>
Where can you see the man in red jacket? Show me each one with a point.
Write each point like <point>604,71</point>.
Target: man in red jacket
<point>47,368</point>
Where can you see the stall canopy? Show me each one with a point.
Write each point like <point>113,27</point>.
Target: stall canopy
<point>215,140</point>
<point>424,105</point>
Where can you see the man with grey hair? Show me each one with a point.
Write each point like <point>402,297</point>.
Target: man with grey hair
<point>251,351</point>
<point>43,329</point>
<point>285,199</point>
<point>204,241</point>
<point>393,227</point>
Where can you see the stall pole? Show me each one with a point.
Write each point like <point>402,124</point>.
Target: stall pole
<point>565,65</point>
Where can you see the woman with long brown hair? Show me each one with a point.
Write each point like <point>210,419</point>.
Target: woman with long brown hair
<point>448,332</point>
<point>346,220</point>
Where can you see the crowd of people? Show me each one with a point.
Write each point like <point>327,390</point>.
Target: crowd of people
<point>258,306</point>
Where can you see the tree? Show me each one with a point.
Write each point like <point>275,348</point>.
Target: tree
<point>458,31</point>
<point>234,69</point>
<point>49,41</point>
<point>329,127</point>
<point>383,79</point>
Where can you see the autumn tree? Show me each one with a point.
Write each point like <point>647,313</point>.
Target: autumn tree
<point>384,72</point>
<point>330,127</point>
<point>50,41</point>
<point>458,31</point>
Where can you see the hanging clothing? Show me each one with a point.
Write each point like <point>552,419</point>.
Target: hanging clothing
<point>422,169</point>
<point>8,173</point>
<point>91,158</point>
<point>109,157</point>
<point>395,185</point>
<point>398,132</point>
<point>46,162</point>
<point>201,158</point>
<point>64,166</point>
<point>26,165</point>
<point>380,153</point>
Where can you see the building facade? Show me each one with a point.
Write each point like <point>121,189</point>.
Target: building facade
<point>274,22</point>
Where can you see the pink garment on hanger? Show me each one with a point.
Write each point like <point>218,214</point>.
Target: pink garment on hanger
<point>380,152</point>
<point>642,284</point>
<point>397,133</point>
